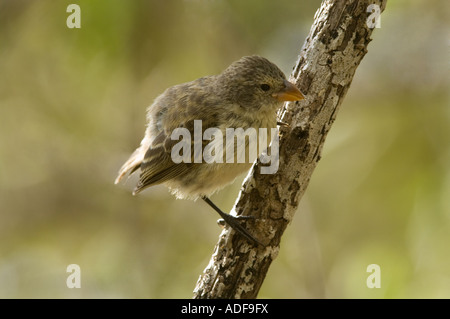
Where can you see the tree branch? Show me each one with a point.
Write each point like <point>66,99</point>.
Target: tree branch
<point>335,46</point>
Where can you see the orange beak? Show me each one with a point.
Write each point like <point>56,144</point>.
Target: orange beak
<point>289,93</point>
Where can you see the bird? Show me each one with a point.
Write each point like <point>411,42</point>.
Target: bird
<point>247,94</point>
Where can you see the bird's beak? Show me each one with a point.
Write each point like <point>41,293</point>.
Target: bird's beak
<point>289,93</point>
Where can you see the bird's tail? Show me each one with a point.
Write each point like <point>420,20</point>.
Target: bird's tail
<point>134,162</point>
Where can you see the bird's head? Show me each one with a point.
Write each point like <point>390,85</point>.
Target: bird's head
<point>254,82</point>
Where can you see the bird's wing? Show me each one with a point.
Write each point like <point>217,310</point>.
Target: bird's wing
<point>176,109</point>
<point>157,165</point>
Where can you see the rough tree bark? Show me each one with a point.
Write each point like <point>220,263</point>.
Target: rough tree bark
<point>335,46</point>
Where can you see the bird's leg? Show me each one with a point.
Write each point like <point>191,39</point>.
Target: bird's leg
<point>233,221</point>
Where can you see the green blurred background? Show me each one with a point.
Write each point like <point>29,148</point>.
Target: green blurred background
<point>72,105</point>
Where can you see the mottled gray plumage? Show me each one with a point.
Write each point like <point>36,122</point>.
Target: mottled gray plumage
<point>246,94</point>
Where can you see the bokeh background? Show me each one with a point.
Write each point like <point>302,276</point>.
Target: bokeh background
<point>72,105</point>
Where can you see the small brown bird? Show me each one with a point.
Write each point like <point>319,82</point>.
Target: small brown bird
<point>245,95</point>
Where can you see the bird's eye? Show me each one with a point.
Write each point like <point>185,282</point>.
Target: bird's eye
<point>265,87</point>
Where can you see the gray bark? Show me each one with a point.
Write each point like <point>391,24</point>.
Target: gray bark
<point>335,46</point>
